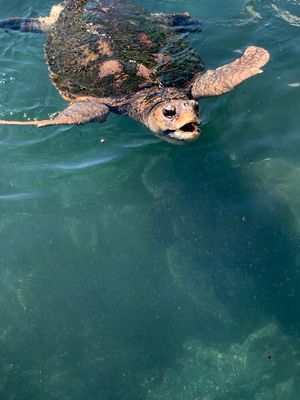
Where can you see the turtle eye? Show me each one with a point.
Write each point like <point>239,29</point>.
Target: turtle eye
<point>169,111</point>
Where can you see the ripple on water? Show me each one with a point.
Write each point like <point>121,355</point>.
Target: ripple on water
<point>18,196</point>
<point>86,163</point>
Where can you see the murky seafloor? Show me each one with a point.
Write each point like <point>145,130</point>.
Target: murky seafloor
<point>138,270</point>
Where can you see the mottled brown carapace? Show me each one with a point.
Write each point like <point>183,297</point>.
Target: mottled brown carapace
<point>110,68</point>
<point>104,47</point>
<point>123,36</point>
<point>145,40</point>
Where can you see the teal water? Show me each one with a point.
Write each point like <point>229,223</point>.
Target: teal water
<point>137,270</point>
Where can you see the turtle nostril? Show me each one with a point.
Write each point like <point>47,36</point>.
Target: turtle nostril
<point>169,111</point>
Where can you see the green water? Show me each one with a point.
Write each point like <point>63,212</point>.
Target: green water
<point>137,270</point>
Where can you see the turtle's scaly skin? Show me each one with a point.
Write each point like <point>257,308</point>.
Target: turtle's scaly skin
<point>112,48</point>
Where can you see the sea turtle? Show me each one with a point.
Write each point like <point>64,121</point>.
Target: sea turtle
<point>110,55</point>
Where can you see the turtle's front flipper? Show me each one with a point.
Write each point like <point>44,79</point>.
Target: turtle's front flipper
<point>77,113</point>
<point>179,22</point>
<point>226,78</point>
<point>42,24</point>
<point>22,24</point>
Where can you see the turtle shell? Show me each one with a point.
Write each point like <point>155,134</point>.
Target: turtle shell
<point>113,48</point>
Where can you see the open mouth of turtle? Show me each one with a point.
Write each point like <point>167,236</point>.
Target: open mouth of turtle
<point>186,133</point>
<point>190,127</point>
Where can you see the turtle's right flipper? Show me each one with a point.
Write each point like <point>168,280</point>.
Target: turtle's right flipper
<point>180,22</point>
<point>77,113</point>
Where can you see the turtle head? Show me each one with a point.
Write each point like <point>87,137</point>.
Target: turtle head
<point>175,120</point>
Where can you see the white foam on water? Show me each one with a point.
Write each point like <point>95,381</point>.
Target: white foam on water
<point>285,10</point>
<point>287,16</point>
<point>252,12</point>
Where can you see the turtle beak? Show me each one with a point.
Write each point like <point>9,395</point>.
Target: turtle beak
<point>184,134</point>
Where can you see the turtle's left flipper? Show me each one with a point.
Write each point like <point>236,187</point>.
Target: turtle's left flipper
<point>42,24</point>
<point>77,113</point>
<point>23,24</point>
<point>180,22</point>
<point>226,78</point>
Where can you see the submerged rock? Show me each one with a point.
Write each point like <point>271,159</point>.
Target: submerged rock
<point>264,366</point>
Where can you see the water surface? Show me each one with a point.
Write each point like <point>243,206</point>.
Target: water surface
<point>137,270</point>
